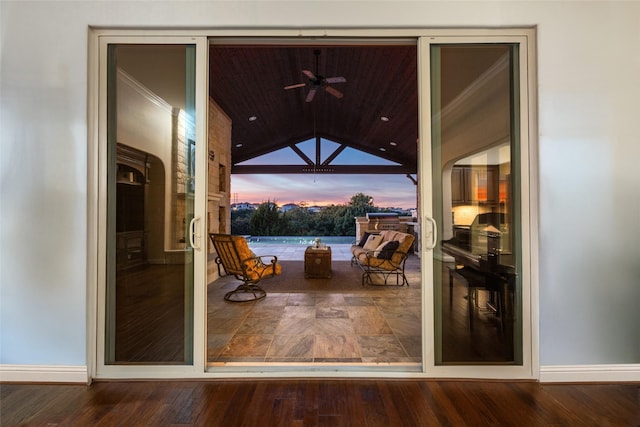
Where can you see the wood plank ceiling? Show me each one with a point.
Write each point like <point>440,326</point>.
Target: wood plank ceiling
<point>381,81</point>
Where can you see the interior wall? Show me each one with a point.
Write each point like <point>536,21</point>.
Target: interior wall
<point>145,122</point>
<point>475,121</point>
<point>588,127</point>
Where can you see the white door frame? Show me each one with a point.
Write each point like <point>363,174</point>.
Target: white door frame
<point>529,216</point>
<point>97,200</point>
<point>97,219</point>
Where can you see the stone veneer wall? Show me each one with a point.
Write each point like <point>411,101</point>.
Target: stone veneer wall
<point>219,180</point>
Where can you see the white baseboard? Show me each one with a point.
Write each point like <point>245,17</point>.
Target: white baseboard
<point>548,374</point>
<point>590,373</point>
<point>44,374</point>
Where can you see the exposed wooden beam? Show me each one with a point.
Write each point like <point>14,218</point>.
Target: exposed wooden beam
<point>318,146</point>
<point>334,155</point>
<point>322,169</point>
<point>303,156</point>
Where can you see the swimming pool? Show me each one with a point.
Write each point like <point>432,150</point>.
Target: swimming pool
<point>298,240</point>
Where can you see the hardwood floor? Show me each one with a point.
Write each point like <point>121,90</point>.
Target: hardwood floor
<point>297,402</point>
<point>149,315</point>
<point>476,335</point>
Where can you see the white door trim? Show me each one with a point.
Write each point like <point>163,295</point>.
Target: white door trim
<point>97,209</point>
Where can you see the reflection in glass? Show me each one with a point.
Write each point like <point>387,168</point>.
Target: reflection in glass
<point>476,261</point>
<point>151,134</point>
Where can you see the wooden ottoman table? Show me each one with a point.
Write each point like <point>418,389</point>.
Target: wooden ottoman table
<point>317,263</point>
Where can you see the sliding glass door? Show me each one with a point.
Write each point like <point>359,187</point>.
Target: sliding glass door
<point>153,239</point>
<point>475,211</point>
<point>475,220</point>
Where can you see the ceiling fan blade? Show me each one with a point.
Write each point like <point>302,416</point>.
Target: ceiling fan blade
<point>333,91</point>
<point>294,86</point>
<point>335,80</point>
<point>310,95</point>
<point>309,74</point>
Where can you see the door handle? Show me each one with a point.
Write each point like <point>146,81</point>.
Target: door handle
<point>434,232</point>
<point>193,237</point>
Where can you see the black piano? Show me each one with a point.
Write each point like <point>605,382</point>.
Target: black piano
<point>484,259</point>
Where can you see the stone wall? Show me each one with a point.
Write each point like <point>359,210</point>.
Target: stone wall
<point>219,180</point>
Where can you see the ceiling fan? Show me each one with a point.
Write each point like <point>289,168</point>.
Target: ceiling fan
<point>317,81</point>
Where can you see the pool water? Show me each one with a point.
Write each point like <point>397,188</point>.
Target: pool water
<point>298,240</point>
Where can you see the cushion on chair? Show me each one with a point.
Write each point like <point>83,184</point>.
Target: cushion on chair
<point>373,241</point>
<point>364,238</point>
<point>406,240</point>
<point>242,247</point>
<point>262,270</point>
<point>377,250</point>
<point>254,267</point>
<point>386,250</point>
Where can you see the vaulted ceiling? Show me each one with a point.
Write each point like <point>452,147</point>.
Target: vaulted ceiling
<point>381,81</point>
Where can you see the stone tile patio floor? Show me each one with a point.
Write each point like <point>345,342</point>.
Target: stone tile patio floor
<point>314,327</point>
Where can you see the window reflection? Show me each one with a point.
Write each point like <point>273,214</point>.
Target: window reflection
<point>150,205</point>
<point>475,266</point>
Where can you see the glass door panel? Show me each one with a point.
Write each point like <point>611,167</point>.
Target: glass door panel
<point>475,147</point>
<point>150,204</point>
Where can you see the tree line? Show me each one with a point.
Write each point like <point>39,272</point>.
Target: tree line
<point>333,220</point>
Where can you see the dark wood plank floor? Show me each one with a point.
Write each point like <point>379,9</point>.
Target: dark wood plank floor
<point>309,402</point>
<point>149,315</point>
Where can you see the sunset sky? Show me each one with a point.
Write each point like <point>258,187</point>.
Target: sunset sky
<point>322,189</point>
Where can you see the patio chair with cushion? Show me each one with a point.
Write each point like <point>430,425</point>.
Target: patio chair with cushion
<point>237,259</point>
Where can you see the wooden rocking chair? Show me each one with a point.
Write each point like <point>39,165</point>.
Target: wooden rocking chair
<point>237,259</point>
